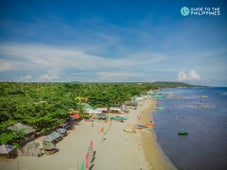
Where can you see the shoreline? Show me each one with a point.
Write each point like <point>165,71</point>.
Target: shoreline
<point>114,148</point>
<point>155,156</point>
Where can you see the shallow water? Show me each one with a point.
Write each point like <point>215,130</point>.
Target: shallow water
<point>206,121</point>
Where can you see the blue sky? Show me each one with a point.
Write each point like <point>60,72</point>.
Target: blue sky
<point>111,40</point>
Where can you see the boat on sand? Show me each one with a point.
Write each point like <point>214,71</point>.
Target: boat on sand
<point>129,131</point>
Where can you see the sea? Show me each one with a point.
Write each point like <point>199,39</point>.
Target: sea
<point>202,112</point>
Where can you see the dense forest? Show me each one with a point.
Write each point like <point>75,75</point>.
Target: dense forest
<point>161,84</point>
<point>45,105</point>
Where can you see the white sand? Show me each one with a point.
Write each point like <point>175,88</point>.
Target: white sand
<point>115,149</point>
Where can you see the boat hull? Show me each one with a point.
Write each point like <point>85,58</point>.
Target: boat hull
<point>182,133</point>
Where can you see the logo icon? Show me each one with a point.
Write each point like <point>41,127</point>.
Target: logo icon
<point>185,11</point>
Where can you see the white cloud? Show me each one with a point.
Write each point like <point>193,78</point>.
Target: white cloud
<point>4,66</point>
<point>48,78</point>
<point>182,75</point>
<point>55,63</point>
<point>28,77</point>
<point>192,75</point>
<point>117,76</point>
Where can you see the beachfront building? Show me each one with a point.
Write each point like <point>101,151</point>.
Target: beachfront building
<point>102,109</point>
<point>62,131</point>
<point>115,110</point>
<point>8,151</point>
<point>54,137</point>
<point>49,148</point>
<point>27,131</point>
<point>131,104</point>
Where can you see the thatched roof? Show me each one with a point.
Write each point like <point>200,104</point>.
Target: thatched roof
<point>130,103</point>
<point>56,135</point>
<point>61,130</point>
<point>49,146</point>
<point>51,137</point>
<point>6,149</point>
<point>48,139</point>
<point>21,128</point>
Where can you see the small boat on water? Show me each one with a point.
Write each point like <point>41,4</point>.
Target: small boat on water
<point>183,133</point>
<point>204,97</point>
<point>158,108</point>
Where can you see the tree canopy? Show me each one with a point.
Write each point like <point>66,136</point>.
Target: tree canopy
<point>45,105</point>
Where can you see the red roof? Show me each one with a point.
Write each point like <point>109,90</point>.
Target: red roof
<point>75,116</point>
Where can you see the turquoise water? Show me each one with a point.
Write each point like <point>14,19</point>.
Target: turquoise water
<point>205,147</point>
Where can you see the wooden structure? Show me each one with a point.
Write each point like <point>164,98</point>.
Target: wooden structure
<point>8,151</point>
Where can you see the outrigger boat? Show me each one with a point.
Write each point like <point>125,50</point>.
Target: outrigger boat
<point>183,133</point>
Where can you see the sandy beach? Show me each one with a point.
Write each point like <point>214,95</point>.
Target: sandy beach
<point>154,155</point>
<point>114,148</point>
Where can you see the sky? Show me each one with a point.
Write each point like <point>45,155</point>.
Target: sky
<point>113,41</point>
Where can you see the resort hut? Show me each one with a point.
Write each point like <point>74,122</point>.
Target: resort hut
<point>49,139</point>
<point>130,103</point>
<point>30,149</point>
<point>87,106</point>
<point>125,109</point>
<point>62,131</point>
<point>89,111</point>
<point>8,151</point>
<point>27,131</point>
<point>57,136</point>
<point>115,110</point>
<point>75,116</point>
<point>68,123</point>
<point>49,148</point>
<point>102,109</point>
